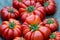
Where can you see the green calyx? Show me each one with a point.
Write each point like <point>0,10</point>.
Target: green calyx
<point>11,10</point>
<point>20,0</point>
<point>50,21</point>
<point>33,27</point>
<point>30,9</point>
<point>52,36</point>
<point>46,4</point>
<point>11,25</point>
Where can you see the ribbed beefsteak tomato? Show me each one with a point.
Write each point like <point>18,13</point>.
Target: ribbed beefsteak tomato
<point>51,23</point>
<point>50,6</point>
<point>32,30</point>
<point>9,12</point>
<point>11,29</point>
<point>31,7</point>
<point>55,36</point>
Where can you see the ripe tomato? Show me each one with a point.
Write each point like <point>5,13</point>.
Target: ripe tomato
<point>34,31</point>
<point>51,23</point>
<point>33,19</point>
<point>50,6</point>
<point>55,36</point>
<point>18,38</point>
<point>18,3</point>
<point>32,8</point>
<point>11,29</point>
<point>9,12</point>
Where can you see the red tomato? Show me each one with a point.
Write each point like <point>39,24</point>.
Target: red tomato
<point>32,8</point>
<point>51,23</point>
<point>34,31</point>
<point>18,3</point>
<point>11,29</point>
<point>55,36</point>
<point>50,6</point>
<point>9,12</point>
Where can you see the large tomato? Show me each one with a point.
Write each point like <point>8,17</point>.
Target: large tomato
<point>18,38</point>
<point>34,31</point>
<point>9,12</point>
<point>55,36</point>
<point>32,8</point>
<point>50,6</point>
<point>51,23</point>
<point>11,29</point>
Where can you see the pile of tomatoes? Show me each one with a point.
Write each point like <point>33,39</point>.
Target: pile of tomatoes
<point>26,18</point>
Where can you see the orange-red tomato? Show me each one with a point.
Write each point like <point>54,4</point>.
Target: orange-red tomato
<point>33,19</point>
<point>50,23</point>
<point>55,36</point>
<point>50,6</point>
<point>11,29</point>
<point>9,12</point>
<point>31,7</point>
<point>34,31</point>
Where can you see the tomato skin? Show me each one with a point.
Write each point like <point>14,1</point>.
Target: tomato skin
<point>51,8</point>
<point>53,26</point>
<point>33,19</point>
<point>40,1</point>
<point>6,14</point>
<point>38,10</point>
<point>46,31</point>
<point>57,36</point>
<point>8,32</point>
<point>33,36</point>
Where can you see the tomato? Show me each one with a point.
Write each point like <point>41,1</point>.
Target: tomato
<point>51,23</point>
<point>34,31</point>
<point>18,3</point>
<point>50,6</point>
<point>9,12</point>
<point>32,8</point>
<point>18,38</point>
<point>33,19</point>
<point>55,36</point>
<point>11,29</point>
